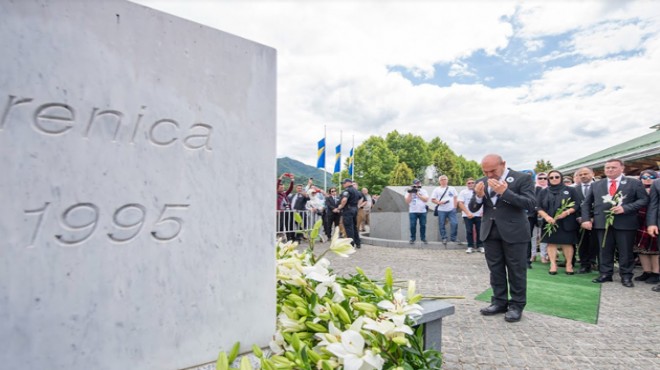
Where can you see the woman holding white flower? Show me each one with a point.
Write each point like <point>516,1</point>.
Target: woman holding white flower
<point>558,205</point>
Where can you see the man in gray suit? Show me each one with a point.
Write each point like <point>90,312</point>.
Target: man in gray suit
<point>505,195</point>
<point>653,215</point>
<point>621,234</point>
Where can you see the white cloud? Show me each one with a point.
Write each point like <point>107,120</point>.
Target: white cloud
<point>608,39</point>
<point>333,59</point>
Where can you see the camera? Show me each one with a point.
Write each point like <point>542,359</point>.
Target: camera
<point>413,189</point>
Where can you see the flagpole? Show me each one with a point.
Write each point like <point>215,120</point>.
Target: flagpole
<point>353,160</point>
<point>325,177</point>
<point>340,148</point>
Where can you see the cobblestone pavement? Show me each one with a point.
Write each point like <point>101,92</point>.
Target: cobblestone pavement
<point>627,335</point>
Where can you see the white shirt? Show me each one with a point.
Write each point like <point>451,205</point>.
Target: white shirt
<point>464,196</point>
<point>449,195</point>
<point>417,205</point>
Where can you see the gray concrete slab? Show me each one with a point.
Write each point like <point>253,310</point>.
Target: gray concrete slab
<point>627,334</point>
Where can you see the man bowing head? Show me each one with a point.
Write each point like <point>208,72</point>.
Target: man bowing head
<point>505,195</point>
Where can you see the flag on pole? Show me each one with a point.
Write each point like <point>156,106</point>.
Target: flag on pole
<point>350,163</point>
<point>338,159</point>
<point>320,154</point>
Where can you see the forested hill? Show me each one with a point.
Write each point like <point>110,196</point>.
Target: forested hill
<point>301,171</point>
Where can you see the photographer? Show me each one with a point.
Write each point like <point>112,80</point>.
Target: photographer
<point>416,197</point>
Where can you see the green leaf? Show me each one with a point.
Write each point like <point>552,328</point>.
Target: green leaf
<point>298,218</point>
<point>234,352</point>
<point>388,278</point>
<point>222,363</point>
<point>245,364</point>
<point>257,351</point>
<point>316,229</point>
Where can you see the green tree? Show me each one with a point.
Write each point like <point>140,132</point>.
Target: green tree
<point>411,150</point>
<point>445,161</point>
<point>401,175</point>
<point>374,162</point>
<point>543,166</point>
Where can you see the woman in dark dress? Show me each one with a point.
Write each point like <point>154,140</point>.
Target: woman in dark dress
<point>646,245</point>
<point>565,236</point>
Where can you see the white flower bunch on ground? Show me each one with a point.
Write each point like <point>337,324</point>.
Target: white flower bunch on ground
<point>325,321</point>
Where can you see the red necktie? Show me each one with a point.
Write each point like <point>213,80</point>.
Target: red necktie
<point>613,187</point>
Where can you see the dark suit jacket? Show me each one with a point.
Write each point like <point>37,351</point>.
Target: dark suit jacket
<point>300,202</point>
<point>330,203</point>
<point>510,211</point>
<point>578,189</point>
<point>635,199</point>
<point>653,210</point>
<point>568,223</point>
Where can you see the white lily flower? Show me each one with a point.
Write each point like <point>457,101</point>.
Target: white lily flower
<point>332,336</point>
<point>319,272</point>
<point>277,344</point>
<point>350,351</point>
<point>399,306</point>
<point>338,294</point>
<point>389,327</point>
<point>341,246</point>
<point>288,325</point>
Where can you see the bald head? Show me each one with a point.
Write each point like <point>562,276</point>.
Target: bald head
<point>493,166</point>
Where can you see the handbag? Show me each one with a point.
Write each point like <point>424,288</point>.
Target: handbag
<point>435,211</point>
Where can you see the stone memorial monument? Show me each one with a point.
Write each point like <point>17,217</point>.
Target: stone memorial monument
<point>137,188</point>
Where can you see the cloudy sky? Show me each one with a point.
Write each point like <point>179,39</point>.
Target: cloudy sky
<point>557,80</point>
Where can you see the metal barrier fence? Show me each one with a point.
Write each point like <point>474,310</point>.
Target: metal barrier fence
<point>287,228</point>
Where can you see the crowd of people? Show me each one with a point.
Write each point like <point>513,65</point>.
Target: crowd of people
<point>614,218</point>
<point>348,209</point>
<point>513,217</point>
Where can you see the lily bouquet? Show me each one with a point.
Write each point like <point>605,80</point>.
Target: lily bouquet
<point>327,322</point>
<point>550,228</point>
<point>615,200</point>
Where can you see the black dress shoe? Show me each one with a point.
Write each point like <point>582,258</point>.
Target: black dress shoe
<point>513,315</point>
<point>602,279</point>
<point>643,277</point>
<point>552,272</point>
<point>584,270</point>
<point>570,273</point>
<point>493,309</point>
<point>627,283</point>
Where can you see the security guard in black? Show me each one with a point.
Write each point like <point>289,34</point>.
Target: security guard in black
<point>348,208</point>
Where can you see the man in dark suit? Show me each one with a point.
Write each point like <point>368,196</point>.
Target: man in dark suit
<point>653,215</point>
<point>506,197</point>
<point>332,218</point>
<point>621,234</point>
<point>298,202</point>
<point>587,239</point>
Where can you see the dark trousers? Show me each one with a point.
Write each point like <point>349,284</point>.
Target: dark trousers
<point>349,217</point>
<point>507,263</point>
<point>622,240</point>
<point>285,224</point>
<point>331,222</point>
<point>471,224</point>
<point>587,247</point>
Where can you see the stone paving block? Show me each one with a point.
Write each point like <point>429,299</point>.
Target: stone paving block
<point>626,335</point>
